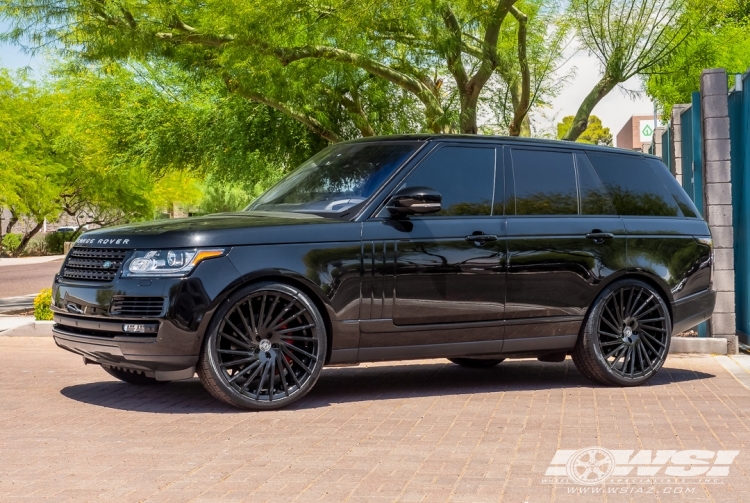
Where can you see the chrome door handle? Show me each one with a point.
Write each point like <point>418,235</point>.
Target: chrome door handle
<point>600,237</point>
<point>481,238</point>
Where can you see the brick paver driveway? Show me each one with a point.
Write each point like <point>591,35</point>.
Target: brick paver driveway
<point>424,431</point>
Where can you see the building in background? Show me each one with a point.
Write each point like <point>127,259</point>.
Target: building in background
<point>636,133</point>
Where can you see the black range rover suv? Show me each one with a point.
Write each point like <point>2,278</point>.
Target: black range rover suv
<point>475,249</point>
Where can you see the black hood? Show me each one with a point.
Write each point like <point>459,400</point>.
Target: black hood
<point>222,229</point>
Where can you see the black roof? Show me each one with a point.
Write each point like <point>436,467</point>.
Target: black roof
<point>478,138</point>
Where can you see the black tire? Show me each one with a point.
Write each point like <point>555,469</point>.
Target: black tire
<point>476,363</point>
<point>265,348</point>
<point>626,337</point>
<point>131,376</point>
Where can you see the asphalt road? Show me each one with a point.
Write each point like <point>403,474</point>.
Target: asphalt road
<point>19,280</point>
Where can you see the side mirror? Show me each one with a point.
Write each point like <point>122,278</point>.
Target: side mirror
<point>414,201</point>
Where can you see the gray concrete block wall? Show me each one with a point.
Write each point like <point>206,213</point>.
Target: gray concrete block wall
<point>718,200</point>
<point>676,147</point>
<point>656,140</point>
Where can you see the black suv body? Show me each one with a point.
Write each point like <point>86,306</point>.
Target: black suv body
<point>473,248</point>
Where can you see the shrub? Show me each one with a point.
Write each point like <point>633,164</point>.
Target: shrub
<point>55,241</point>
<point>36,247</point>
<point>11,242</point>
<point>42,303</point>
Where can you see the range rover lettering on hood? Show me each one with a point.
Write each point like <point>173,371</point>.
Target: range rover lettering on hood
<point>110,241</point>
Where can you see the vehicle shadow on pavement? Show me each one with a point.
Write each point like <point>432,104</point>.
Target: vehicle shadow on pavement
<point>362,384</point>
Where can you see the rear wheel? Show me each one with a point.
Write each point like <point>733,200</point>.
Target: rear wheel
<point>130,376</point>
<point>626,337</point>
<point>476,363</point>
<point>266,350</point>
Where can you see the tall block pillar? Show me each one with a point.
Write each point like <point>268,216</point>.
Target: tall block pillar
<point>718,199</point>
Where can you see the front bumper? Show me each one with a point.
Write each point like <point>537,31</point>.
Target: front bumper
<point>692,310</point>
<point>86,322</point>
<point>169,350</point>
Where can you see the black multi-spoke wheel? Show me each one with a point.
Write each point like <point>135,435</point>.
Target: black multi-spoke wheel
<point>266,348</point>
<point>626,337</point>
<point>476,363</point>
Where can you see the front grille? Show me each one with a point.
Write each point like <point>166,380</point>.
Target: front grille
<point>139,307</point>
<point>88,264</point>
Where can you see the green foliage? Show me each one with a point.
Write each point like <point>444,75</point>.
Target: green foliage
<point>340,69</point>
<point>11,242</point>
<point>225,197</point>
<point>35,247</point>
<point>54,158</point>
<point>720,40</point>
<point>595,133</point>
<point>42,303</point>
<point>168,122</point>
<point>55,241</point>
<point>628,37</point>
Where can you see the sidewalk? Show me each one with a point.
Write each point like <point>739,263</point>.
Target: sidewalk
<point>11,322</point>
<point>29,260</point>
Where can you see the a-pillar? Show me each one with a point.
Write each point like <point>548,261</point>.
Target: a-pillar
<point>718,199</point>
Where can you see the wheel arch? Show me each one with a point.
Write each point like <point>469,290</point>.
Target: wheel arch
<point>649,278</point>
<point>291,279</point>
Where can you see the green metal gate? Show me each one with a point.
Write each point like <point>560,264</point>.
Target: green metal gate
<point>739,133</point>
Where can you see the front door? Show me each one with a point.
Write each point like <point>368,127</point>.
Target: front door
<point>442,268</point>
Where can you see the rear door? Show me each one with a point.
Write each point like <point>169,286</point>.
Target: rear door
<point>564,239</point>
<point>660,221</point>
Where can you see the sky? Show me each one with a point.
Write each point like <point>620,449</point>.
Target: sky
<point>12,57</point>
<point>614,110</point>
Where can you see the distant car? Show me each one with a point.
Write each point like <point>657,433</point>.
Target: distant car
<point>67,229</point>
<point>470,248</point>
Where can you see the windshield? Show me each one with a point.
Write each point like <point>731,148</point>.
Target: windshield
<point>336,179</point>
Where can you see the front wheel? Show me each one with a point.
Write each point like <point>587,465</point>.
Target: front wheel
<point>266,350</point>
<point>476,363</point>
<point>626,337</point>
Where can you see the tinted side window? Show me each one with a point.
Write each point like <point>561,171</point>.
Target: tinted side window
<point>464,176</point>
<point>678,193</point>
<point>634,187</point>
<point>545,182</point>
<point>594,197</point>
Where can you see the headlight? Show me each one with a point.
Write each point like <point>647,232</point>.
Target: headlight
<point>167,262</point>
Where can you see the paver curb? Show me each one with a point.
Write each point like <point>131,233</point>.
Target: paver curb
<point>699,345</point>
<point>33,329</point>
<point>737,366</point>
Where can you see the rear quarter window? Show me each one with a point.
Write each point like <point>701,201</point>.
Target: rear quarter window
<point>678,193</point>
<point>634,186</point>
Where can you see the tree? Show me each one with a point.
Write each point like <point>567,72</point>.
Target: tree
<point>628,37</point>
<point>341,69</point>
<point>595,133</point>
<point>719,41</point>
<point>52,160</point>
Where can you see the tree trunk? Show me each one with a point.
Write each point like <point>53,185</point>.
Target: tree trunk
<point>522,101</point>
<point>581,120</point>
<point>13,220</point>
<point>469,112</point>
<point>26,238</point>
<point>525,127</point>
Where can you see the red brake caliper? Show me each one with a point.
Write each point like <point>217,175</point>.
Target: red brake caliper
<point>288,341</point>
